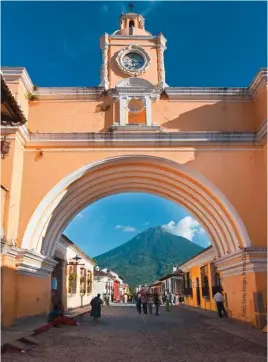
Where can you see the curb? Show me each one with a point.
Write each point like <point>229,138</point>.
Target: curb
<point>16,345</point>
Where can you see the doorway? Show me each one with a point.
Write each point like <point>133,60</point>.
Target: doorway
<point>58,274</point>
<point>198,298</point>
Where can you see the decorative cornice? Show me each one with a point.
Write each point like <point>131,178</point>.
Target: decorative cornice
<point>245,94</point>
<point>247,266</point>
<point>211,93</point>
<point>259,81</point>
<point>247,260</point>
<point>133,37</point>
<point>239,253</point>
<point>16,74</point>
<point>148,138</point>
<point>137,136</point>
<point>31,263</point>
<point>262,131</point>
<point>65,93</point>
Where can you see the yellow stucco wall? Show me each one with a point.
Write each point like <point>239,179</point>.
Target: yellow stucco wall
<point>220,167</point>
<point>81,116</point>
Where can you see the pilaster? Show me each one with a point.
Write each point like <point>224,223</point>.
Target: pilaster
<point>104,72</point>
<point>123,110</point>
<point>148,107</point>
<point>161,41</point>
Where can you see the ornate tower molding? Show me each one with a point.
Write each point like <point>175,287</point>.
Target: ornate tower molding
<point>104,71</point>
<point>161,40</point>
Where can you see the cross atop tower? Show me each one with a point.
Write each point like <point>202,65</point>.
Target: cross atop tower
<point>131,6</point>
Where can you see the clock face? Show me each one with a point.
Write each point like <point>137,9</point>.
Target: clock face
<point>133,61</point>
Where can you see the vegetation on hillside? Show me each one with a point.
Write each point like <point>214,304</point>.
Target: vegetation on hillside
<point>148,256</point>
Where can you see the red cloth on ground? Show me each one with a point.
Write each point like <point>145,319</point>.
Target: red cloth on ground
<point>64,320</point>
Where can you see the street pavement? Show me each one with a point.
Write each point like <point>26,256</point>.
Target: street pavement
<point>121,335</point>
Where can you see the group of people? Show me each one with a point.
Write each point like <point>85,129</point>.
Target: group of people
<point>144,301</point>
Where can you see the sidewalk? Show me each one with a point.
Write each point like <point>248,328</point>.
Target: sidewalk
<point>28,326</point>
<point>232,326</point>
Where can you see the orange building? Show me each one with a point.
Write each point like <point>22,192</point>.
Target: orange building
<point>204,148</point>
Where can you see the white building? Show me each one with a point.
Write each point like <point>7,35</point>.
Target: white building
<point>103,284</point>
<point>73,275</point>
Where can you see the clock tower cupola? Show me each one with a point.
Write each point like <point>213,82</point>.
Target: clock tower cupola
<point>132,51</point>
<point>133,72</point>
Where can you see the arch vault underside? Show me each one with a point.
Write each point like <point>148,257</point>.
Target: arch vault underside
<point>146,174</point>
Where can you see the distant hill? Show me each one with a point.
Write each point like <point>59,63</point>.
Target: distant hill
<point>148,256</point>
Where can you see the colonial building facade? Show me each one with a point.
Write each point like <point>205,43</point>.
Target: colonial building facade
<point>204,148</point>
<point>74,274</point>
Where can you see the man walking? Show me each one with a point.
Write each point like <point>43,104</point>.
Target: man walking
<point>218,297</point>
<point>157,302</point>
<point>144,300</point>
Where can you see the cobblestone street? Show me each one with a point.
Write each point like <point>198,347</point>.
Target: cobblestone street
<point>182,335</point>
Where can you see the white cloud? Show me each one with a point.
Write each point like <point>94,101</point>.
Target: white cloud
<point>125,228</point>
<point>81,215</point>
<point>187,227</point>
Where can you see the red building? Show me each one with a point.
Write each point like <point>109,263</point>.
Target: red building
<point>116,291</point>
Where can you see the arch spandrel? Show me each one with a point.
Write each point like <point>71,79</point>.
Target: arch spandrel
<point>142,174</point>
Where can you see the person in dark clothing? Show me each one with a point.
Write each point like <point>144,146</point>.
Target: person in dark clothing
<point>138,304</point>
<point>56,317</point>
<point>156,300</point>
<point>96,304</point>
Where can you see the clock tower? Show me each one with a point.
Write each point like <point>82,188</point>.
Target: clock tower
<point>133,71</point>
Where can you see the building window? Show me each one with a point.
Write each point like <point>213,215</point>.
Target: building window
<point>188,291</point>
<point>89,282</point>
<point>72,280</point>
<point>131,27</point>
<point>216,287</point>
<point>83,281</point>
<point>205,282</point>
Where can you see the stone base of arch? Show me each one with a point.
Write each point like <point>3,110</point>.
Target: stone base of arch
<point>25,284</point>
<point>244,279</point>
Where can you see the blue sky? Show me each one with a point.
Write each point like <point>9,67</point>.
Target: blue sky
<point>209,43</point>
<point>116,219</point>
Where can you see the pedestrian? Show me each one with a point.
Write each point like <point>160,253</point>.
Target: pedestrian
<point>168,305</point>
<point>218,297</point>
<point>157,302</point>
<point>138,303</point>
<point>125,298</point>
<point>150,303</point>
<point>57,317</point>
<point>96,304</point>
<point>144,300</point>
<point>181,299</point>
<point>107,300</point>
